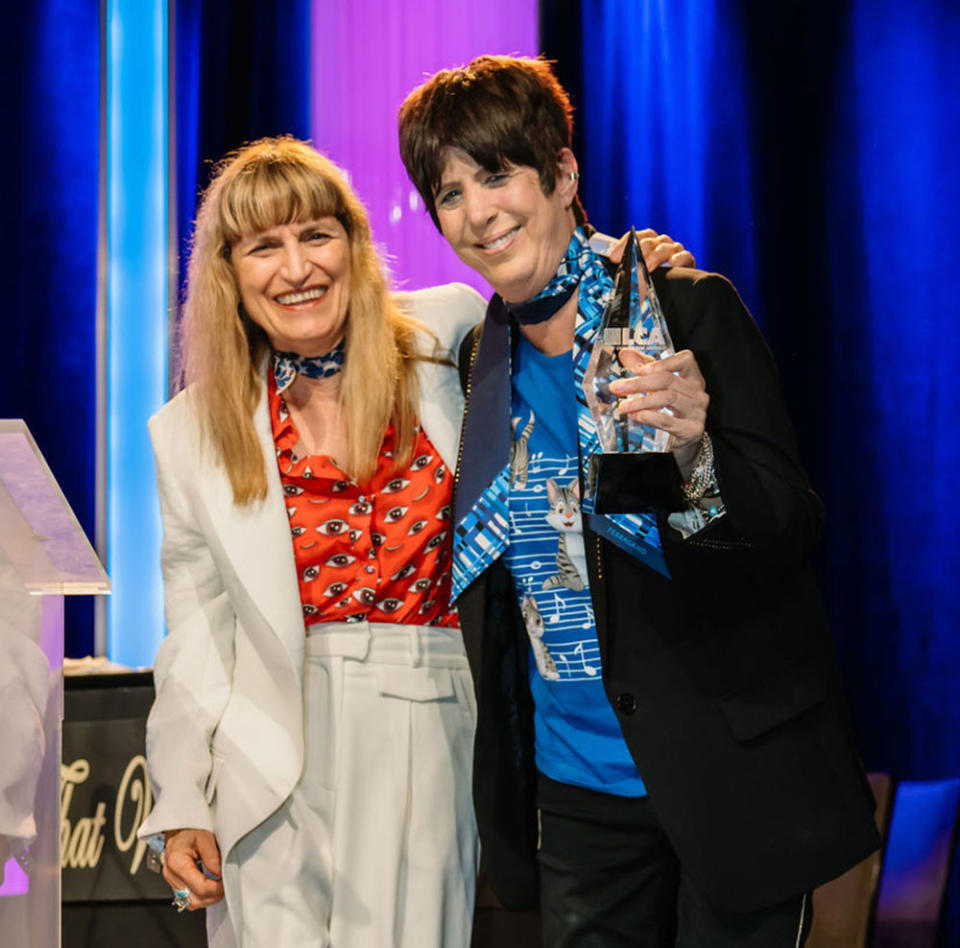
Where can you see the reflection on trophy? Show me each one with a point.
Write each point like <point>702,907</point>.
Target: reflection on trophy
<point>632,319</point>
<point>634,470</point>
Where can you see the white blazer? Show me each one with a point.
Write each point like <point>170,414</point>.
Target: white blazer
<point>225,734</point>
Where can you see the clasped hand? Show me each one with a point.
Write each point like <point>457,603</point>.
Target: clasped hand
<point>184,847</point>
<point>657,250</point>
<point>675,383</point>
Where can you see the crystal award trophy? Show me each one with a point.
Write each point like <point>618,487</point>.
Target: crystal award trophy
<point>633,319</point>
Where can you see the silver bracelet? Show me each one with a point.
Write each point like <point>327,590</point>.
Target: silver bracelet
<point>703,478</point>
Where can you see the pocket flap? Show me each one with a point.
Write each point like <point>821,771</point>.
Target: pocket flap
<point>415,684</point>
<point>780,697</point>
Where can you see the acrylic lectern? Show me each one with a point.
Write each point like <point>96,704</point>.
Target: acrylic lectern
<point>44,556</point>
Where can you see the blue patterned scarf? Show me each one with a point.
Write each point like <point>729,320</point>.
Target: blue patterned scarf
<point>482,500</point>
<point>288,365</point>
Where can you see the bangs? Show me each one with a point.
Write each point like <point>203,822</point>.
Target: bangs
<point>499,110</point>
<point>492,136</point>
<point>273,192</point>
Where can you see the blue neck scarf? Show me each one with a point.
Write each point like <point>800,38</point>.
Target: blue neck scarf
<point>481,516</point>
<point>550,299</point>
<point>288,365</point>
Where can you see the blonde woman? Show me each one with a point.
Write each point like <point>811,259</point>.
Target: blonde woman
<point>311,741</point>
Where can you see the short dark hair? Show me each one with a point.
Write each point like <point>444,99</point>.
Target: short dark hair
<point>500,110</point>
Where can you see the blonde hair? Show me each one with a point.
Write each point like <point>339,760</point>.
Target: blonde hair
<point>264,184</point>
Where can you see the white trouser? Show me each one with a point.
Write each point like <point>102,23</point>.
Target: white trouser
<point>376,847</point>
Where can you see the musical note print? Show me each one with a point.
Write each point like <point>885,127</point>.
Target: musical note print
<point>558,605</point>
<point>577,661</point>
<point>567,630</point>
<point>588,669</point>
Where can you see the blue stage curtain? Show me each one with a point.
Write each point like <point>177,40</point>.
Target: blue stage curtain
<point>49,167</point>
<point>811,151</point>
<point>894,227</point>
<point>664,113</point>
<point>242,72</point>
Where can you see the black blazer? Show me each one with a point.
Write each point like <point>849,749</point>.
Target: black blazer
<point>723,677</point>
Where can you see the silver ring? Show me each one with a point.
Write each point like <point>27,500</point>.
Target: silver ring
<point>181,899</point>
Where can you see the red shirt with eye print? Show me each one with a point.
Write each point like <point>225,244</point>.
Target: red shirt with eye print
<point>378,551</point>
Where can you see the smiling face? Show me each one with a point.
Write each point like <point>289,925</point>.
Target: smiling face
<point>502,224</point>
<point>294,282</point>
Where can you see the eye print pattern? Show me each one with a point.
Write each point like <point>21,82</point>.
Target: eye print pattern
<point>339,560</point>
<point>377,551</point>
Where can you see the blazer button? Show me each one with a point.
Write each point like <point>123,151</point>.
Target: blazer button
<point>626,703</point>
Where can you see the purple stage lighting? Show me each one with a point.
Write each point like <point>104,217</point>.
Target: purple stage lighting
<point>367,55</point>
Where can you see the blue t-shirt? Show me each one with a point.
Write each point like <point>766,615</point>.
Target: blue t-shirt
<point>578,737</point>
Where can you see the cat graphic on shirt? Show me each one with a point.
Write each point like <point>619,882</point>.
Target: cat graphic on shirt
<point>534,625</point>
<point>564,517</point>
<point>520,452</point>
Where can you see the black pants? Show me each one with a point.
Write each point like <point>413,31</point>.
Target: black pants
<point>610,878</point>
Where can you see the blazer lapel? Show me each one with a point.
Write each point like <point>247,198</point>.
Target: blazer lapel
<point>486,435</point>
<point>256,539</point>
<point>440,411</point>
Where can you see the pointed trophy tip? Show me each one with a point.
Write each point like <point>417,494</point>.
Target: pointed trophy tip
<point>628,261</point>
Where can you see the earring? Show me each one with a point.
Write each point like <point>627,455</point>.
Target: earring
<point>574,175</point>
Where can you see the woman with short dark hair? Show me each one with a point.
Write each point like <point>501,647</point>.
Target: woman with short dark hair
<point>498,110</point>
<point>663,756</point>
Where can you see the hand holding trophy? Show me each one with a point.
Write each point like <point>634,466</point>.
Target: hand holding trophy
<point>633,319</point>
<point>634,468</point>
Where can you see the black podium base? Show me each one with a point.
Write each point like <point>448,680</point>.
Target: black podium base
<point>631,483</point>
